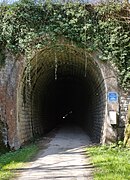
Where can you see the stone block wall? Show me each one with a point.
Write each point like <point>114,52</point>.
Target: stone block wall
<point>124,102</point>
<point>24,112</point>
<point>9,78</point>
<point>97,105</point>
<point>21,113</point>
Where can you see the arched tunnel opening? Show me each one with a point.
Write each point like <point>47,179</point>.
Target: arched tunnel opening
<point>66,87</point>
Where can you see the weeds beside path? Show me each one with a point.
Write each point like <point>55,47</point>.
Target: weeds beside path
<point>111,163</point>
<point>14,160</point>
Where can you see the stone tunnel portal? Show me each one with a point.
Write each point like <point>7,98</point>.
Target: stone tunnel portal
<point>64,84</point>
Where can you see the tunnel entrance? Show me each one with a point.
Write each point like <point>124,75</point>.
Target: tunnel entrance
<point>66,86</point>
<point>66,101</point>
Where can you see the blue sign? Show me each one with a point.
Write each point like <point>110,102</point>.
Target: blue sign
<point>112,97</point>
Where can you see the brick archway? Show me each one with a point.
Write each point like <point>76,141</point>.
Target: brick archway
<point>63,79</point>
<point>59,80</point>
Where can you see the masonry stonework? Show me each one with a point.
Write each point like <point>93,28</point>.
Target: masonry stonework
<point>9,78</point>
<point>124,102</point>
<point>20,104</point>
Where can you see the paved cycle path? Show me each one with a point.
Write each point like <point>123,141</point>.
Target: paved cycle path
<point>65,158</point>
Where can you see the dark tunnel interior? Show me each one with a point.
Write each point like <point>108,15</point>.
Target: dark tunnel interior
<point>66,102</point>
<point>75,96</point>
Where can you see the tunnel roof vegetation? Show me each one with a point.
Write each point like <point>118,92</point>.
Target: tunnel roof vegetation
<point>30,25</point>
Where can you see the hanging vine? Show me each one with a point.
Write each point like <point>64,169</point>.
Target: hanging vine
<point>56,66</point>
<point>28,24</point>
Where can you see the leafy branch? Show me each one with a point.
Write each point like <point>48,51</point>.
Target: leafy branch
<point>30,24</point>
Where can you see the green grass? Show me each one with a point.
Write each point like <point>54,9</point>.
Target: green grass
<point>14,160</point>
<point>111,163</point>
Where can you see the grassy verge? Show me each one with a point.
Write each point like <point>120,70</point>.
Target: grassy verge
<point>111,163</point>
<point>13,160</point>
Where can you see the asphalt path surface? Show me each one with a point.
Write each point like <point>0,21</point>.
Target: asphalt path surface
<point>64,158</point>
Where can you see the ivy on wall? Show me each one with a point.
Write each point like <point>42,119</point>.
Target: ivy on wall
<point>28,25</point>
<point>2,55</point>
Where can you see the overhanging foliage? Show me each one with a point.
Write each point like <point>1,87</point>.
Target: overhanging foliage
<point>28,25</point>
